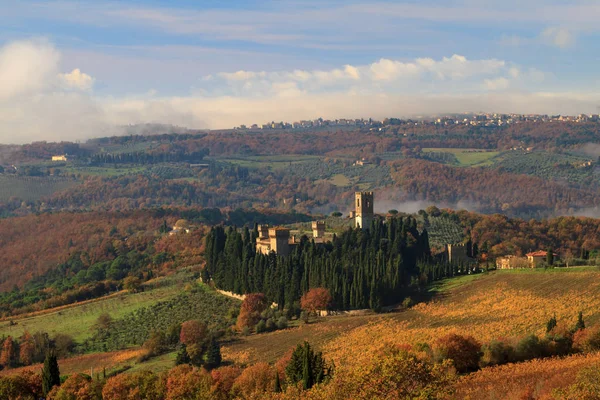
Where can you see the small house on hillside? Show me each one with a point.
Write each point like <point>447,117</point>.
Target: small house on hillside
<point>511,262</point>
<point>537,258</point>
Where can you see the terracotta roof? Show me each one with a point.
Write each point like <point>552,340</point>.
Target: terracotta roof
<point>539,253</point>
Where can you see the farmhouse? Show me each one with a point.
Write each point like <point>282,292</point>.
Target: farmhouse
<point>536,258</point>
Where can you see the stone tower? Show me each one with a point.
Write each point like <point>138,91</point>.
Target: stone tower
<point>318,228</point>
<point>364,209</point>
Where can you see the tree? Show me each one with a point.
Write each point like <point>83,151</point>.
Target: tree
<point>77,387</point>
<point>63,344</point>
<point>187,382</point>
<point>551,324</point>
<point>252,306</point>
<point>26,349</point>
<point>132,284</point>
<point>104,321</point>
<point>9,353</point>
<point>580,324</point>
<point>213,355</point>
<point>464,351</point>
<point>138,385</point>
<point>50,373</point>
<point>550,257</point>
<point>182,356</point>
<point>255,380</point>
<point>277,387</point>
<point>315,299</point>
<point>307,367</point>
<point>192,332</point>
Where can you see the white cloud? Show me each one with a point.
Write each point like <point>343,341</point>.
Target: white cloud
<point>77,80</point>
<point>35,104</point>
<point>26,67</point>
<point>496,83</point>
<point>559,37</point>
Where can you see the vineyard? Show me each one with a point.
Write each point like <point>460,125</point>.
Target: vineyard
<point>78,321</point>
<point>554,166</point>
<point>133,329</point>
<point>502,304</point>
<point>31,188</point>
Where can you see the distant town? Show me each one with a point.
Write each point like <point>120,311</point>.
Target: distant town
<point>481,119</point>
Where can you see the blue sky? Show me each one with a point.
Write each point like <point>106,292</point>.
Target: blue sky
<point>221,63</point>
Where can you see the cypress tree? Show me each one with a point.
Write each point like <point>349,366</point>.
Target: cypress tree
<point>277,388</point>
<point>213,355</point>
<point>551,324</point>
<point>50,373</point>
<point>307,381</point>
<point>182,356</point>
<point>580,324</point>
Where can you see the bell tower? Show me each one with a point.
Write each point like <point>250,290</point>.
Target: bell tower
<point>364,209</point>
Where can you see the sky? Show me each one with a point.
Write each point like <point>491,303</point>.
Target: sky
<point>70,70</point>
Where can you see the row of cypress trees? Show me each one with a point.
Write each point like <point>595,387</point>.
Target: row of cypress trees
<point>361,268</point>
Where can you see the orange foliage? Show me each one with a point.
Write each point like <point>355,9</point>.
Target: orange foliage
<point>315,299</point>
<point>77,387</point>
<point>256,379</point>
<point>252,306</point>
<point>143,385</point>
<point>192,332</point>
<point>223,380</point>
<point>187,382</point>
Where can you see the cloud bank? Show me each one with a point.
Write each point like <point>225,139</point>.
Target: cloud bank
<point>38,101</point>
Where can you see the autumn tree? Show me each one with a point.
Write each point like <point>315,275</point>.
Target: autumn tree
<point>464,351</point>
<point>26,349</point>
<point>252,306</point>
<point>255,380</point>
<point>9,353</point>
<point>187,382</point>
<point>315,299</point>
<point>223,380</point>
<point>50,373</point>
<point>194,336</point>
<point>77,387</point>
<point>139,385</point>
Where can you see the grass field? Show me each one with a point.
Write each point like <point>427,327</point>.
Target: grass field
<point>78,321</point>
<point>467,157</point>
<point>269,162</point>
<point>31,188</point>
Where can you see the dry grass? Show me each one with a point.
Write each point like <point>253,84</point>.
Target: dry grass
<point>84,364</point>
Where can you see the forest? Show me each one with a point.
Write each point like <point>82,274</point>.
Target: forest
<point>361,269</point>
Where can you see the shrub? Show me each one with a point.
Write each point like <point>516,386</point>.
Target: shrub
<point>587,340</point>
<point>464,351</point>
<point>261,326</point>
<point>530,347</point>
<point>282,323</point>
<point>496,353</point>
<point>255,380</point>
